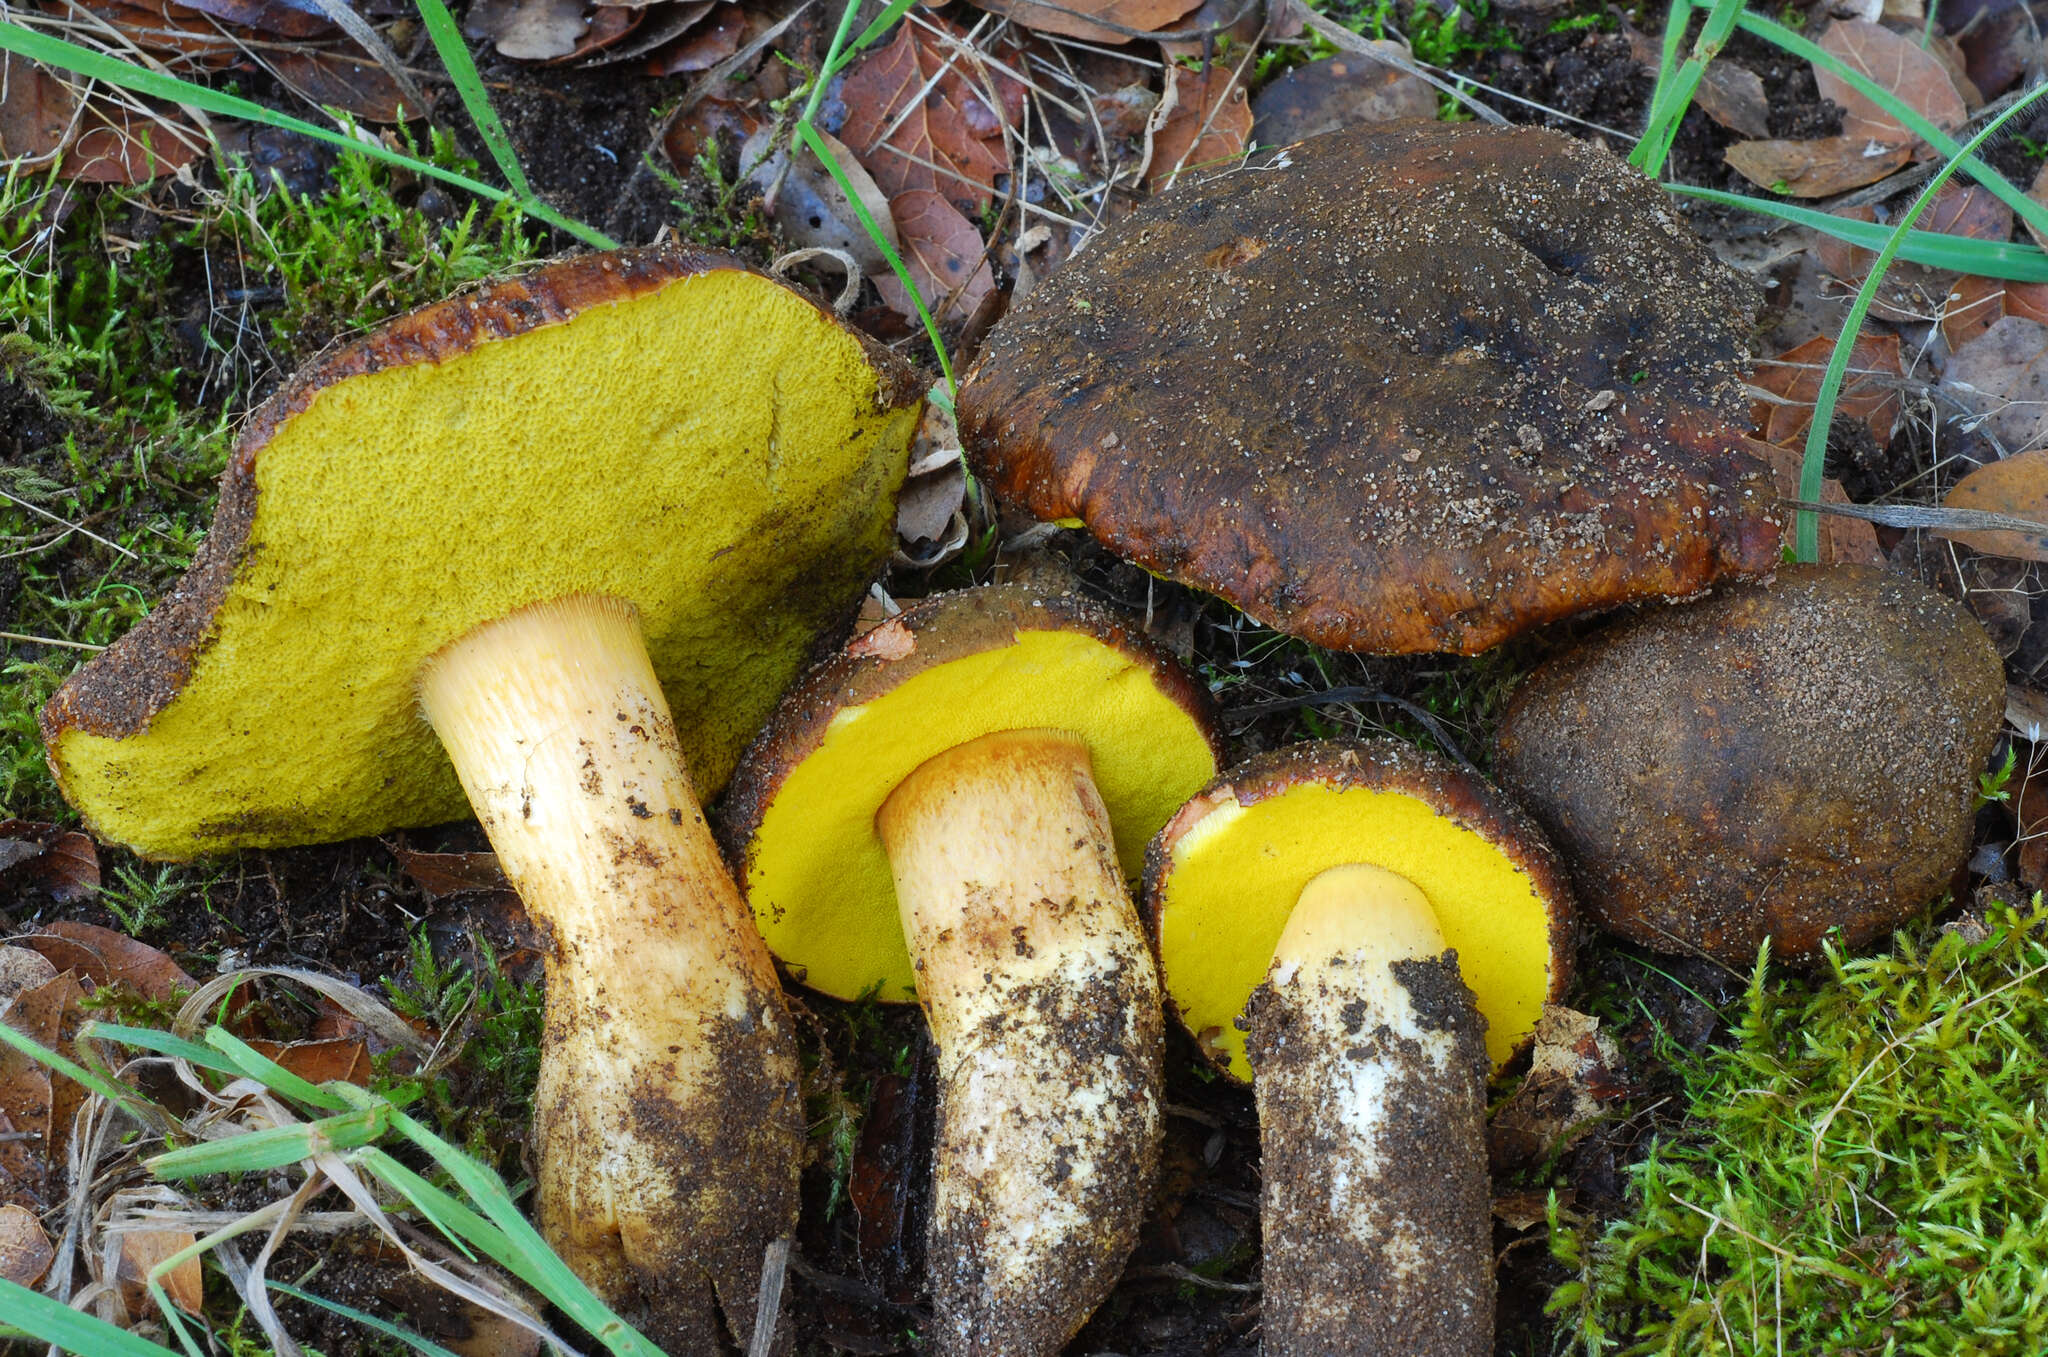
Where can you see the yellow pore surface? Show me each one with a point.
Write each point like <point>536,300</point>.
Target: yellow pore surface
<point>1237,872</point>
<point>817,875</point>
<point>712,452</point>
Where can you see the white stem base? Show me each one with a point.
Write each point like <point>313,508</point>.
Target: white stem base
<point>668,1127</point>
<point>1044,1005</point>
<point>1369,1059</point>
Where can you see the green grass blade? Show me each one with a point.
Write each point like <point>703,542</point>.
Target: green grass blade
<point>252,1062</point>
<point>1907,116</point>
<point>368,1321</point>
<point>455,59</point>
<point>93,65</point>
<point>1676,20</point>
<point>113,1092</point>
<point>808,135</point>
<point>274,1147</point>
<point>883,22</point>
<point>162,1043</point>
<point>1655,147</point>
<point>52,1321</point>
<point>1986,258</point>
<point>1807,534</point>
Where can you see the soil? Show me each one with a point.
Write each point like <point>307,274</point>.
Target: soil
<point>854,1285</point>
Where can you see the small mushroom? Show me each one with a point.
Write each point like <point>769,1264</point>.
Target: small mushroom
<point>529,511</point>
<point>1778,761</point>
<point>1409,387</point>
<point>1357,927</point>
<point>950,810</point>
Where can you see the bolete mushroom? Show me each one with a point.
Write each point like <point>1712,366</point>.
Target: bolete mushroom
<point>1777,761</point>
<point>949,811</point>
<point>1408,387</point>
<point>1357,927</point>
<point>550,513</point>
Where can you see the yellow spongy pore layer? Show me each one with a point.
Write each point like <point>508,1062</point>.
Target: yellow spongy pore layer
<point>712,452</point>
<point>817,875</point>
<point>1237,872</point>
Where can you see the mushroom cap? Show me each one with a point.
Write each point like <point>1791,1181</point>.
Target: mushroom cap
<point>1775,761</point>
<point>1223,876</point>
<point>1411,387</point>
<point>663,425</point>
<point>799,818</point>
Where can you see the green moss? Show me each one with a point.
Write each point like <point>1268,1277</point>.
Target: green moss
<point>1864,1170</point>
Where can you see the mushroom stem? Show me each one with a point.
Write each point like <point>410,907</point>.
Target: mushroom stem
<point>1370,1065</point>
<point>668,1128</point>
<point>1044,1006</point>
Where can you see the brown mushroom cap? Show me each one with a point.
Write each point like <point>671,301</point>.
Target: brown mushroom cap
<point>799,818</point>
<point>1776,761</point>
<point>1224,874</point>
<point>1411,387</point>
<point>661,426</point>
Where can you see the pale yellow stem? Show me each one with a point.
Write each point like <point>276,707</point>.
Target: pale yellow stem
<point>668,1124</point>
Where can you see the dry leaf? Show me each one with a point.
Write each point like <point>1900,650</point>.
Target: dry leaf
<point>811,207</point>
<point>909,137</point>
<point>1572,1072</point>
<point>282,18</point>
<point>317,1062</point>
<point>2038,191</point>
<point>22,969</point>
<point>528,30</point>
<point>106,957</point>
<point>1898,64</point>
<point>2001,376</point>
<point>444,874</point>
<point>1870,388</point>
<point>62,862</point>
<point>945,255</point>
<point>1733,96</point>
<point>1071,18</point>
<point>1998,41</point>
<point>1843,541</point>
<point>340,80</point>
<point>720,120</point>
<point>1205,131</point>
<point>2016,485</point>
<point>1342,91</point>
<point>25,1251</point>
<point>606,26</point>
<point>1818,168</point>
<point>37,112</point>
<point>704,46</point>
<point>1973,305</point>
<point>141,1250</point>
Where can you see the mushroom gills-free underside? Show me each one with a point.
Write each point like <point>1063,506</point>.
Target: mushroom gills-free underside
<point>573,507</point>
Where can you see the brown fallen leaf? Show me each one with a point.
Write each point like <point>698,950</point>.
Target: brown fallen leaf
<point>1870,388</point>
<point>317,1062</point>
<point>1340,91</point>
<point>1896,63</point>
<point>1999,41</point>
<point>25,1251</point>
<point>911,137</point>
<point>723,121</point>
<point>138,1251</point>
<point>21,969</point>
<point>606,26</point>
<point>704,46</point>
<point>528,30</point>
<point>343,80</point>
<point>282,18</point>
<point>1206,129</point>
<point>62,862</point>
<point>1573,1071</point>
<point>1731,95</point>
<point>945,255</point>
<point>1527,1209</point>
<point>812,209</point>
<point>2016,485</point>
<point>106,957</point>
<point>1843,541</point>
<point>1975,304</point>
<point>1817,168</point>
<point>51,1015</point>
<point>1909,292</point>
<point>2001,378</point>
<point>444,874</point>
<point>1072,18</point>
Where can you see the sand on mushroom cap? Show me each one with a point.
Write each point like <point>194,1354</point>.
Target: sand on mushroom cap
<point>1406,388</point>
<point>954,804</point>
<point>1778,761</point>
<point>472,512</point>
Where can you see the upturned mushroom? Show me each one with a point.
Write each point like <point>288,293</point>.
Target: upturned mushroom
<point>1409,387</point>
<point>1779,761</point>
<point>555,514</point>
<point>1363,930</point>
<point>949,811</point>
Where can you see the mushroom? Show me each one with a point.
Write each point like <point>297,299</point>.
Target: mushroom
<point>949,811</point>
<point>1778,761</point>
<point>1404,388</point>
<point>1364,931</point>
<point>542,512</point>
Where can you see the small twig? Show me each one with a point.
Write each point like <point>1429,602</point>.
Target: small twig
<point>65,522</point>
<point>768,1301</point>
<point>1175,1272</point>
<point>48,641</point>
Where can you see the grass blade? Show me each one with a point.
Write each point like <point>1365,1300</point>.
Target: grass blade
<point>1986,258</point>
<point>252,1062</point>
<point>276,1147</point>
<point>455,59</point>
<point>368,1321</point>
<point>120,1096</point>
<point>1655,147</point>
<point>1807,534</point>
<point>69,56</point>
<point>1907,116</point>
<point>162,1043</point>
<point>52,1321</point>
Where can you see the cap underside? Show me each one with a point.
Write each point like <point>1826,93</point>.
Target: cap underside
<point>816,871</point>
<point>1234,875</point>
<point>714,451</point>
